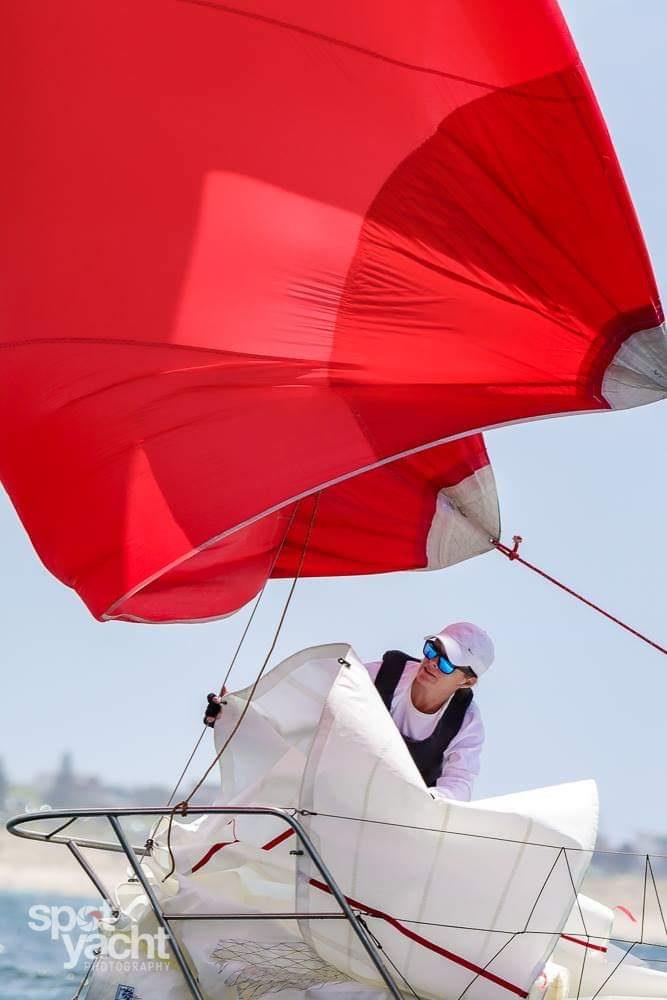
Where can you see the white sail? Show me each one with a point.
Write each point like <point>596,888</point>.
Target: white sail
<point>464,897</point>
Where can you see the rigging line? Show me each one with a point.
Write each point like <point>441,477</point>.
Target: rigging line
<point>244,634</point>
<point>513,555</point>
<point>156,826</point>
<point>576,894</point>
<point>516,933</point>
<point>268,656</point>
<point>223,686</point>
<point>189,761</point>
<point>614,970</point>
<point>182,807</point>
<point>539,895</point>
<point>485,967</point>
<point>581,976</point>
<point>644,898</point>
<point>380,948</point>
<point>451,956</point>
<point>473,836</point>
<point>657,894</point>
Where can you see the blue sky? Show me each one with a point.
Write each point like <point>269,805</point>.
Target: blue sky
<point>570,695</point>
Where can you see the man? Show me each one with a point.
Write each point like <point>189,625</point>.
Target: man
<point>431,702</point>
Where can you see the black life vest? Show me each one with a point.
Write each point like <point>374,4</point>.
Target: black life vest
<point>427,754</point>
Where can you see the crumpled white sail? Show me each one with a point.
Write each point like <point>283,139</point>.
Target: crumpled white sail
<point>466,898</point>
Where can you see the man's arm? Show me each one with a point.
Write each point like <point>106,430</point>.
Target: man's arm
<point>460,761</point>
<point>373,668</point>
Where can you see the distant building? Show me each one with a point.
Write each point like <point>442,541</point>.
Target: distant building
<point>64,791</point>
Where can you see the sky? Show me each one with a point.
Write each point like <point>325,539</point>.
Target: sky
<point>570,696</point>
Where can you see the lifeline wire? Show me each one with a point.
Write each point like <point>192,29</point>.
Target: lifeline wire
<point>223,686</point>
<point>511,933</point>
<point>474,836</point>
<point>562,851</point>
<point>380,948</point>
<point>513,555</point>
<point>514,934</point>
<point>182,807</point>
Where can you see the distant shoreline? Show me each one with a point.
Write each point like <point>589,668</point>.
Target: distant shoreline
<point>29,866</point>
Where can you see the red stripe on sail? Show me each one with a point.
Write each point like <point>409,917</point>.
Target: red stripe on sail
<point>210,853</point>
<point>278,840</point>
<point>425,943</point>
<point>218,847</point>
<point>584,944</point>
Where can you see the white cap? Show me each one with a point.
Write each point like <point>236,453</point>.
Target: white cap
<point>467,645</point>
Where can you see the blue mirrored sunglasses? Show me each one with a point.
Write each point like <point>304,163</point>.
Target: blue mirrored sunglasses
<point>431,652</point>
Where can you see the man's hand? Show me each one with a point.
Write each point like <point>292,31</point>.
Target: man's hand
<point>213,707</point>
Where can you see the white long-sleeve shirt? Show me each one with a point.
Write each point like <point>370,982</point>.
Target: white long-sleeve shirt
<point>460,761</point>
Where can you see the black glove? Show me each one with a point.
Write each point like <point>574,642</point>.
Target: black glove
<point>213,708</point>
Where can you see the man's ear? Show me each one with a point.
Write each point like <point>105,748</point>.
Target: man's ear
<point>469,682</point>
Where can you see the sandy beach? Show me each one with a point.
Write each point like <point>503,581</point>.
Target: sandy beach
<point>28,866</point>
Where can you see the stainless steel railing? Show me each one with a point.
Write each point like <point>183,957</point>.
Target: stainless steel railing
<point>134,854</point>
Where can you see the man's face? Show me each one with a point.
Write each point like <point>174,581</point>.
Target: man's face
<point>430,678</point>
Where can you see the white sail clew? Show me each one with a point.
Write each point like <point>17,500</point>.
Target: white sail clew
<point>466,898</point>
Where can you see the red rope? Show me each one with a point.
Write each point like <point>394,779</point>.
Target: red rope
<point>513,555</point>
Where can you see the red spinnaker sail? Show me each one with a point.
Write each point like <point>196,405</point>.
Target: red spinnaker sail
<point>258,251</point>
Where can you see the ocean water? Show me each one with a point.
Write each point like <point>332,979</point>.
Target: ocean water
<point>31,962</point>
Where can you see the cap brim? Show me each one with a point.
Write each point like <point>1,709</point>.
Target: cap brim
<point>452,648</point>
<point>455,652</point>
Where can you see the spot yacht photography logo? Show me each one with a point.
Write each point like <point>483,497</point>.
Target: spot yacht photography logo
<point>79,932</point>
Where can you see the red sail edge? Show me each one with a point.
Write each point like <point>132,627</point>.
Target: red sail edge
<point>251,257</point>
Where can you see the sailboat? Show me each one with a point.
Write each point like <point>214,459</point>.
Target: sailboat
<point>326,868</point>
<point>274,269</point>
